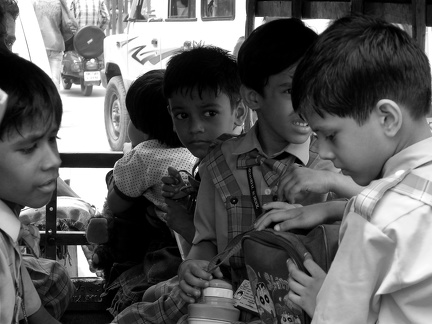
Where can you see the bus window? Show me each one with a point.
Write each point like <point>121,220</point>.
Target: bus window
<point>217,9</point>
<point>145,10</point>
<point>181,9</point>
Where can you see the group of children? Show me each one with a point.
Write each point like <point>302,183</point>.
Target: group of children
<point>353,99</point>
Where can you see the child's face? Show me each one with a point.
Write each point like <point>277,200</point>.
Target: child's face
<point>360,151</point>
<point>276,114</point>
<point>200,120</point>
<point>29,165</point>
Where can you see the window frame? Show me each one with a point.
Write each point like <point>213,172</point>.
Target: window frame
<point>221,18</point>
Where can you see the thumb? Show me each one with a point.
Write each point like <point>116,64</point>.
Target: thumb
<point>311,266</point>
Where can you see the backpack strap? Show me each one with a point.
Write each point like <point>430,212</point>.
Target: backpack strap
<point>407,184</point>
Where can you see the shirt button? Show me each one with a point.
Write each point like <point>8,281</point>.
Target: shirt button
<point>234,200</point>
<point>267,191</point>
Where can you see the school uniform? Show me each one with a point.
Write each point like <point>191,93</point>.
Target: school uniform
<point>15,280</point>
<point>382,272</point>
<point>225,206</point>
<point>223,193</point>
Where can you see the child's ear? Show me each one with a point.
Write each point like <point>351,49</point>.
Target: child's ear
<point>250,97</point>
<point>390,116</point>
<point>241,112</point>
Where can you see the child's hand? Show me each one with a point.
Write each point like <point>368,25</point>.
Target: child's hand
<point>298,180</point>
<point>193,277</point>
<point>172,183</point>
<point>284,217</point>
<point>180,220</point>
<point>175,186</point>
<point>289,216</point>
<point>304,288</point>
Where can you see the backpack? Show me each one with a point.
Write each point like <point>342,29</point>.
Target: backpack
<point>265,254</point>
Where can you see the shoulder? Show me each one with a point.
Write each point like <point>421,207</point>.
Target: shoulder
<point>223,144</point>
<point>172,154</point>
<point>388,200</point>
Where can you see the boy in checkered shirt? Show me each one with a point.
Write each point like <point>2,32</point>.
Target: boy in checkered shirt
<point>241,175</point>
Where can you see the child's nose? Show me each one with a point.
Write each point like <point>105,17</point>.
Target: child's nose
<point>196,126</point>
<point>324,151</point>
<point>52,159</point>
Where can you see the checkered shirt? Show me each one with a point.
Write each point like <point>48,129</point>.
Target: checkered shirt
<point>90,12</point>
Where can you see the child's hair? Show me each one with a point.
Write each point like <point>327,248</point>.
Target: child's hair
<point>272,48</point>
<point>356,62</point>
<point>147,108</point>
<point>204,68</point>
<point>33,99</point>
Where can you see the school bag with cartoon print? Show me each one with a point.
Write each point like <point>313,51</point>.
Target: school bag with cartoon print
<point>265,254</point>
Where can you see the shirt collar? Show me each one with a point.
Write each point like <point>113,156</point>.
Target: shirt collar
<point>408,158</point>
<point>9,222</point>
<point>250,142</point>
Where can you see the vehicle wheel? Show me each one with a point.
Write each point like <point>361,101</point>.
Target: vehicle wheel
<point>116,115</point>
<point>66,83</point>
<point>86,90</point>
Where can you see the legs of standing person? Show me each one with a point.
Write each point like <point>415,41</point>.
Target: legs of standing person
<point>55,60</point>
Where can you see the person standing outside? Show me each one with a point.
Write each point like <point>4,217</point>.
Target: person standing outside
<point>57,26</point>
<point>90,13</point>
<point>8,14</point>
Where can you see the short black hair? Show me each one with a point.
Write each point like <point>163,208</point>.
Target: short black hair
<point>204,68</point>
<point>357,61</point>
<point>33,98</point>
<point>147,108</point>
<point>272,48</point>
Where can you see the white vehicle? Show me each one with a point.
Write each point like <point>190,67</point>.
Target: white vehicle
<point>156,30</point>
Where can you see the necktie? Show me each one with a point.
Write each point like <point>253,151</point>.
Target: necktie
<point>271,168</point>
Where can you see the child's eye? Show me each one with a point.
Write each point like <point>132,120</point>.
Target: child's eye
<point>330,137</point>
<point>210,113</point>
<point>181,116</point>
<point>288,91</point>
<point>29,150</point>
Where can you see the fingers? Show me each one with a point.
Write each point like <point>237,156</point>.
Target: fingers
<point>169,180</point>
<point>273,216</point>
<point>193,278</point>
<point>217,273</point>
<point>313,268</point>
<point>282,214</point>
<point>288,184</point>
<point>187,293</point>
<point>174,173</point>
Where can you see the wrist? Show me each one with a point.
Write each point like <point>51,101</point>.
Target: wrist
<point>336,210</point>
<point>180,268</point>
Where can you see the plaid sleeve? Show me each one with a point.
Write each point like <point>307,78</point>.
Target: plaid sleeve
<point>167,309</point>
<point>52,283</point>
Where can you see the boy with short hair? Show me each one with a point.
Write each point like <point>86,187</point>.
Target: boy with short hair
<point>242,173</point>
<point>28,172</point>
<point>203,90</point>
<point>377,134</point>
<point>198,102</point>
